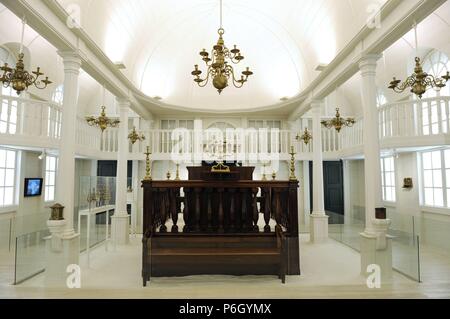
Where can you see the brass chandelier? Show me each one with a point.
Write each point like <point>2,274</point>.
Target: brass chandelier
<point>103,122</point>
<point>306,137</point>
<point>338,122</point>
<point>134,136</point>
<point>219,64</point>
<point>18,78</point>
<point>419,82</point>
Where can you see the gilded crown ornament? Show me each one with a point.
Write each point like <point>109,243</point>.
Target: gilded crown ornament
<point>219,63</point>
<point>338,122</point>
<point>18,78</point>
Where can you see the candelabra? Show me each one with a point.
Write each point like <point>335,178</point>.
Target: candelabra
<point>148,168</point>
<point>177,177</point>
<point>292,177</point>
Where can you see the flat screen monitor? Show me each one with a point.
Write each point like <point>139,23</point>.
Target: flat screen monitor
<point>33,187</point>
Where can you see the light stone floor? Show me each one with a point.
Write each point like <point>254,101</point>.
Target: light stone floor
<point>330,270</point>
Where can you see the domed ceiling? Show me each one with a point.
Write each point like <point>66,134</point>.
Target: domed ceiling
<point>283,42</point>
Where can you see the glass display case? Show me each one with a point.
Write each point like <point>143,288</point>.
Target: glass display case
<point>96,191</point>
<point>96,203</point>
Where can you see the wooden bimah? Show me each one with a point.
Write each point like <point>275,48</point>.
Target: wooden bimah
<point>220,223</point>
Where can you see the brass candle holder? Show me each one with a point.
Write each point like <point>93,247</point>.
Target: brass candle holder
<point>292,177</point>
<point>148,167</point>
<point>177,177</point>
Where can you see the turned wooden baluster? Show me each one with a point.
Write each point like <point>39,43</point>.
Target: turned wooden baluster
<point>186,210</point>
<point>197,209</point>
<point>255,209</point>
<point>163,211</point>
<point>267,207</point>
<point>244,215</point>
<point>221,217</point>
<point>232,208</point>
<point>209,194</point>
<point>278,207</point>
<point>174,209</point>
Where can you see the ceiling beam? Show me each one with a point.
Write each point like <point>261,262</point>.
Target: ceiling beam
<point>397,18</point>
<point>49,19</point>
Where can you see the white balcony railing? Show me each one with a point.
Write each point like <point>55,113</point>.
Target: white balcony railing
<point>36,121</point>
<point>416,118</point>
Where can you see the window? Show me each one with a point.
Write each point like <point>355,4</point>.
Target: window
<point>434,112</point>
<point>174,124</point>
<point>8,108</point>
<point>6,57</point>
<point>381,98</point>
<point>7,177</point>
<point>436,178</point>
<point>58,95</point>
<point>51,164</point>
<point>388,179</point>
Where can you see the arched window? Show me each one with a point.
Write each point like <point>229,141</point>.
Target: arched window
<point>6,57</point>
<point>223,126</point>
<point>58,95</point>
<point>437,64</point>
<point>381,98</point>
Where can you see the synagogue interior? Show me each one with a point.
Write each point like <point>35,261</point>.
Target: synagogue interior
<point>152,149</point>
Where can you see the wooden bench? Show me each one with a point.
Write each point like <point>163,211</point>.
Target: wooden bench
<point>186,254</point>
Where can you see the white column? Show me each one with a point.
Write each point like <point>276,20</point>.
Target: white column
<point>319,220</point>
<point>372,166</point>
<point>66,165</point>
<point>376,245</point>
<point>63,246</point>
<point>120,220</point>
<point>198,141</point>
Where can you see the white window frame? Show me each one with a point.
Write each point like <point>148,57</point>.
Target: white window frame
<point>47,183</point>
<point>445,182</point>
<point>2,184</point>
<point>384,174</point>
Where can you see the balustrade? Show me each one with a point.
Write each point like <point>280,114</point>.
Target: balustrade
<point>209,207</point>
<point>40,120</point>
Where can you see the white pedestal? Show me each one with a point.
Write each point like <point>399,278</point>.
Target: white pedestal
<point>376,249</point>
<point>62,250</point>
<point>121,229</point>
<point>318,227</point>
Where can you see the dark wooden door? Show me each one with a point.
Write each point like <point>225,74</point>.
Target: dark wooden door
<point>334,187</point>
<point>333,184</point>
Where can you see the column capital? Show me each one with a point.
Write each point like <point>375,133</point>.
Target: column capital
<point>71,61</point>
<point>316,106</point>
<point>368,64</point>
<point>123,102</point>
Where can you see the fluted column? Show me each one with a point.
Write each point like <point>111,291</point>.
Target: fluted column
<point>120,220</point>
<point>319,220</point>
<point>66,165</point>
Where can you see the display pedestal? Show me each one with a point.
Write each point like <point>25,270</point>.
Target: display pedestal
<point>62,250</point>
<point>376,249</point>
<point>121,229</point>
<point>319,228</point>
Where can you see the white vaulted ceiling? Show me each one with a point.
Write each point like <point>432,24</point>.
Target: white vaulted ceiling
<point>283,42</point>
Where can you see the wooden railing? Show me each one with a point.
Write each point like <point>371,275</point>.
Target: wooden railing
<point>230,206</point>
